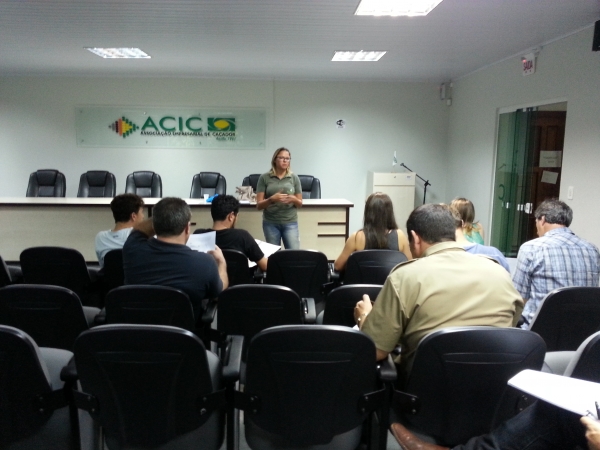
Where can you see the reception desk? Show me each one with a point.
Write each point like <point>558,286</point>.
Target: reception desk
<point>74,222</point>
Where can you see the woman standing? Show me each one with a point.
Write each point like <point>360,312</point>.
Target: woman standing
<point>279,194</point>
<point>472,230</point>
<point>379,231</point>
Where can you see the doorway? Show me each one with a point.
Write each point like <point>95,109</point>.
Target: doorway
<point>528,170</point>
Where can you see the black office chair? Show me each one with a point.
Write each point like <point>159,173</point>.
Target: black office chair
<point>144,183</point>
<point>340,303</point>
<point>251,180</point>
<point>567,316</point>
<point>97,183</point>
<point>210,183</point>
<point>60,266</point>
<point>238,271</point>
<point>149,305</point>
<point>5,276</point>
<point>33,400</point>
<point>46,183</point>
<point>151,386</point>
<point>308,386</point>
<point>246,309</point>
<point>459,378</point>
<point>304,271</point>
<point>311,186</point>
<point>51,315</point>
<point>113,275</point>
<point>371,266</point>
<point>585,363</point>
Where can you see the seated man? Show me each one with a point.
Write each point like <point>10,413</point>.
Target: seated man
<point>167,261</point>
<point>224,211</point>
<point>128,210</point>
<point>444,287</point>
<point>541,426</point>
<point>557,258</point>
<point>477,249</point>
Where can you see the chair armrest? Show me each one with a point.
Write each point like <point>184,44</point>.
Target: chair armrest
<point>387,370</point>
<point>209,313</point>
<point>310,311</point>
<point>100,318</point>
<point>233,363</point>
<point>68,374</point>
<point>258,275</point>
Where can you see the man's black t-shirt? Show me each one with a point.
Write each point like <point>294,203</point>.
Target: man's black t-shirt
<point>150,261</point>
<point>236,239</point>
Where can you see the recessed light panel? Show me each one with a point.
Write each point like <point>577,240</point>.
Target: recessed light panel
<point>365,56</point>
<point>396,7</point>
<point>127,53</point>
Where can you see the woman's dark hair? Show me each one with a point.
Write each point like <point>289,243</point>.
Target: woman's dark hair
<point>378,220</point>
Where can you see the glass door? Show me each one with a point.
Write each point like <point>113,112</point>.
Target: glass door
<point>512,186</point>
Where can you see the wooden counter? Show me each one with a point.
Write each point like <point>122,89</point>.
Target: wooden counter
<point>74,222</point>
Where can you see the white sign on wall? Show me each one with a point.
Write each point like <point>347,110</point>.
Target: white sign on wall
<point>528,64</point>
<point>170,127</point>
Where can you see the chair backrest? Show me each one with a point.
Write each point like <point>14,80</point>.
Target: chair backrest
<point>22,381</point>
<point>304,271</point>
<point>5,277</point>
<point>144,183</point>
<point>150,381</point>
<point>460,375</point>
<point>113,274</point>
<point>97,183</point>
<point>567,316</point>
<point>46,183</point>
<point>251,180</point>
<point>340,303</point>
<point>311,186</point>
<point>585,364</point>
<point>58,266</point>
<point>238,271</point>
<point>371,266</point>
<point>210,183</point>
<point>51,315</point>
<point>308,381</point>
<point>149,305</point>
<point>247,309</point>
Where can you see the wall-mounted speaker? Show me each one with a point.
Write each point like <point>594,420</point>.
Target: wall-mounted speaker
<point>596,43</point>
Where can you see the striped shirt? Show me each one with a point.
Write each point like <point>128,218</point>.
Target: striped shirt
<point>557,259</point>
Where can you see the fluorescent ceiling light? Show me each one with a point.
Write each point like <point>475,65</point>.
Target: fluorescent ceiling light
<point>369,56</point>
<point>134,53</point>
<point>395,7</point>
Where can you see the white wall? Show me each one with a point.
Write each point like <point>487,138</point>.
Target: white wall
<point>566,70</point>
<point>37,130</point>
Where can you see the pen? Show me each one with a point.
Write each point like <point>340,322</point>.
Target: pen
<point>597,411</point>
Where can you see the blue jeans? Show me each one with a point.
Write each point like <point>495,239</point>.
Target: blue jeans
<point>542,426</point>
<point>275,232</point>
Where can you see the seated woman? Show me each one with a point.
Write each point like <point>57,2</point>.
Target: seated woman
<point>472,230</point>
<point>379,231</point>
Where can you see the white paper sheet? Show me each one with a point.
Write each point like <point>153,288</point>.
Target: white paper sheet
<point>549,177</point>
<point>574,395</point>
<point>267,249</point>
<point>202,242</point>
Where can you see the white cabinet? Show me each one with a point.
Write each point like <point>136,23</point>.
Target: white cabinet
<point>401,189</point>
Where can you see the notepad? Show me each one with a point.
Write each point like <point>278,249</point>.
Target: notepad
<point>572,394</point>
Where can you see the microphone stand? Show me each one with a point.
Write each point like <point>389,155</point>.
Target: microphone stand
<point>427,183</point>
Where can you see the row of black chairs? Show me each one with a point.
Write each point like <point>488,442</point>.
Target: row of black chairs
<point>149,385</point>
<point>53,316</point>
<point>101,183</point>
<point>305,271</point>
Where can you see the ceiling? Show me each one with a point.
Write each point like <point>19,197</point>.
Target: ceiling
<point>276,39</point>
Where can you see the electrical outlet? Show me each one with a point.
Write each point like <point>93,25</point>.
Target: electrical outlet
<point>570,193</point>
